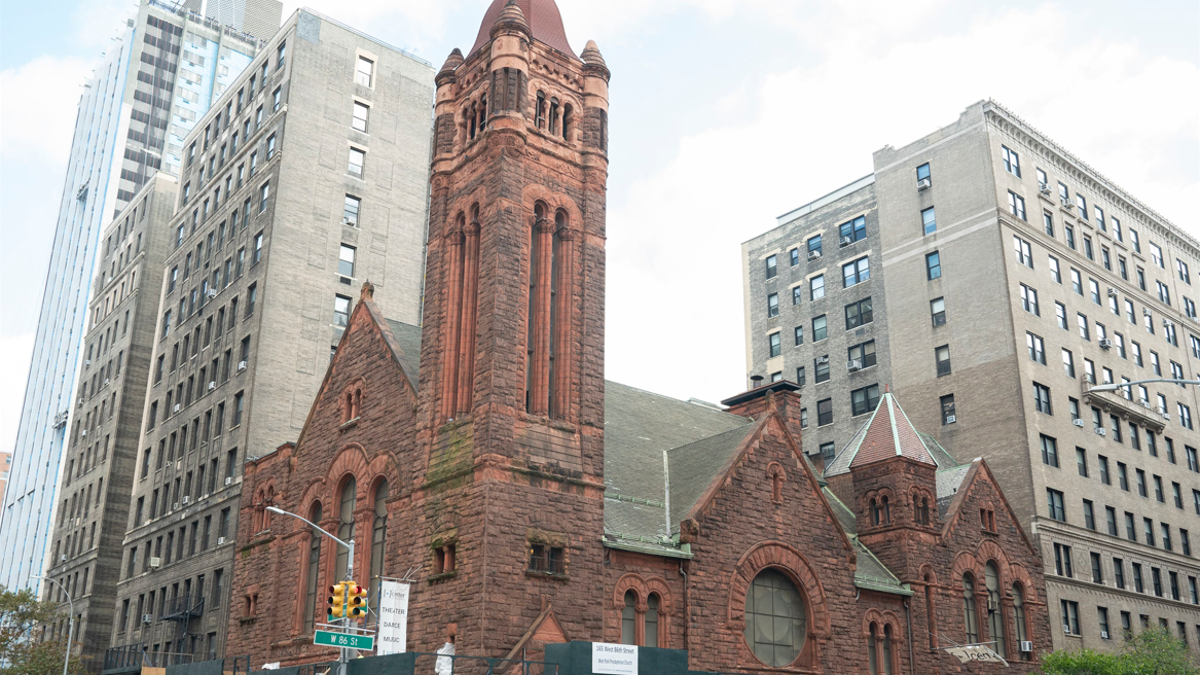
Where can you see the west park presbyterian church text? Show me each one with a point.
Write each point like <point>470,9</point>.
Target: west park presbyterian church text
<point>544,504</point>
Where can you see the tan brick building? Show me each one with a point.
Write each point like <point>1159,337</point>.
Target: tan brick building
<point>1006,278</point>
<point>541,504</point>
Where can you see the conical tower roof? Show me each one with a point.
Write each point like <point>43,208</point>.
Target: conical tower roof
<point>888,433</point>
<point>542,17</point>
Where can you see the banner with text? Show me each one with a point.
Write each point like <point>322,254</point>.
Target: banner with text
<point>393,617</point>
<point>610,659</point>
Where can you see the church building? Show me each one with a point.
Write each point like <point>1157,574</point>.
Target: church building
<point>532,502</point>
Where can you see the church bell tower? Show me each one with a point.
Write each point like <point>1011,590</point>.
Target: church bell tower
<point>511,396</point>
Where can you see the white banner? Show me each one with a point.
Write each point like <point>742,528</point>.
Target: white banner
<point>393,618</point>
<point>610,659</point>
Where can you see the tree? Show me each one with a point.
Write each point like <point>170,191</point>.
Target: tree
<point>25,645</point>
<point>1152,652</point>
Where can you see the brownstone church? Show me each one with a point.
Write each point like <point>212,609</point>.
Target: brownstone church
<point>539,503</point>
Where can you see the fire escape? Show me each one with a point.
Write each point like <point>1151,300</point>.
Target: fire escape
<point>182,610</point>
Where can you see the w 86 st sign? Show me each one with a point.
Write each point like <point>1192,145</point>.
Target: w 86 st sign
<point>346,640</point>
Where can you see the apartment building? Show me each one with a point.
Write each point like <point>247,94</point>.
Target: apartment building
<point>101,458</point>
<point>1014,278</point>
<point>162,72</point>
<point>307,178</point>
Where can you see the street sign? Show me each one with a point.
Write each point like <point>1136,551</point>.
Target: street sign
<point>344,640</point>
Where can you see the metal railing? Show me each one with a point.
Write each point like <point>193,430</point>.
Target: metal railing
<point>133,656</point>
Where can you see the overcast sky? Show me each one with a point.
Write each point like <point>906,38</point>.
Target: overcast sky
<point>724,113</point>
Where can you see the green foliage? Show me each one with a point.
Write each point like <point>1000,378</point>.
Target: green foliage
<point>1153,652</point>
<point>23,622</point>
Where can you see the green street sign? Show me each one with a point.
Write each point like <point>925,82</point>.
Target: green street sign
<point>346,640</point>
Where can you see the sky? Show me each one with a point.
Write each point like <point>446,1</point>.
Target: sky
<point>724,114</point>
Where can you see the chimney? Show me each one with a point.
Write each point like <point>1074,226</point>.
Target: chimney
<point>782,397</point>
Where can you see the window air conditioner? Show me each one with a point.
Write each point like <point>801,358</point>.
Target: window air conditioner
<point>62,558</point>
<point>924,184</point>
<point>146,619</point>
<point>823,359</point>
<point>211,293</point>
<point>220,541</point>
<point>1145,404</point>
<point>175,507</point>
<point>1066,203</point>
<point>1166,324</point>
<point>1103,635</point>
<point>1066,629</point>
<point>846,241</point>
<point>241,366</point>
<point>1101,431</point>
<point>212,385</point>
<point>951,419</point>
<point>1026,646</point>
<point>83,433</point>
<point>155,563</point>
<point>1078,423</point>
<point>87,362</point>
<point>1112,292</point>
<point>229,480</point>
<point>185,500</point>
<point>1044,189</point>
<point>854,365</point>
<point>1166,416</point>
<point>1105,343</point>
<point>1146,312</point>
<point>177,407</point>
<point>106,381</point>
<point>813,255</point>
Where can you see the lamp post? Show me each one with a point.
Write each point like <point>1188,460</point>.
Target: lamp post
<point>344,657</point>
<point>1115,387</point>
<point>70,619</point>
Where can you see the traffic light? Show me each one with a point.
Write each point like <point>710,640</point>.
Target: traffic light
<point>357,601</point>
<point>337,600</point>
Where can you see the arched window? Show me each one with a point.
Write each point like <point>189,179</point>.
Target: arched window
<point>540,112</point>
<point>1018,594</point>
<point>875,512</point>
<point>652,604</point>
<point>471,120</point>
<point>925,520</point>
<point>970,618</point>
<point>345,526</point>
<point>872,655</point>
<point>482,113</point>
<point>776,619</point>
<point>550,275</point>
<point>887,650</point>
<point>313,569</point>
<point>629,619</point>
<point>995,609</point>
<point>378,533</point>
<point>348,408</point>
<point>554,116</point>
<point>357,409</point>
<point>568,118</point>
<point>887,511</point>
<point>931,611</point>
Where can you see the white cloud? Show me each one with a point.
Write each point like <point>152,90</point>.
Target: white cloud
<point>14,369</point>
<point>675,310</point>
<point>40,95</point>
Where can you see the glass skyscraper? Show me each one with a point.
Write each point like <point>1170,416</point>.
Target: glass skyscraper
<point>142,100</point>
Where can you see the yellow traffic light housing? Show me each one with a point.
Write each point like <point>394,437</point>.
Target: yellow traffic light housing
<point>357,600</point>
<point>337,600</point>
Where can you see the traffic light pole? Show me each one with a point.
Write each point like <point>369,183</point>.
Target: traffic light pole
<point>344,657</point>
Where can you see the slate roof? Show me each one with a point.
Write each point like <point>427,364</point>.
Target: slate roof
<point>408,337</point>
<point>870,573</point>
<point>886,433</point>
<point>543,18</point>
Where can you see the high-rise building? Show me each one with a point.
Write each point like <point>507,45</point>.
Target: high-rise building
<point>308,177</point>
<point>259,18</point>
<point>5,464</point>
<point>163,71</point>
<point>1012,278</point>
<point>101,459</point>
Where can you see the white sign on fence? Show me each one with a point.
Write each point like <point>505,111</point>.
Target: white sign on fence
<point>393,617</point>
<point>609,659</point>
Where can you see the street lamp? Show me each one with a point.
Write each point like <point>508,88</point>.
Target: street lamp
<point>344,658</point>
<point>70,619</point>
<point>1115,387</point>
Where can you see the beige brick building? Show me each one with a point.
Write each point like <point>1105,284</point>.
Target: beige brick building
<point>306,178</point>
<point>1011,277</point>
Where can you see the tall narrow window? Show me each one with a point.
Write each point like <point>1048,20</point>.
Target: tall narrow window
<point>995,610</point>
<point>872,650</point>
<point>363,71</point>
<point>1018,600</point>
<point>548,342</point>
<point>629,619</point>
<point>652,604</point>
<point>312,573</point>
<point>345,525</point>
<point>378,534</point>
<point>970,617</point>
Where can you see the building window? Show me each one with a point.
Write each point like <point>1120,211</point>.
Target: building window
<point>863,353</point>
<point>942,358</point>
<point>547,559</point>
<point>774,344</point>
<point>821,369</point>
<point>358,158</point>
<point>923,172</point>
<point>856,272</point>
<point>772,267</point>
<point>277,99</point>
<point>859,313</point>
<point>819,328</point>
<point>995,609</point>
<point>776,619</point>
<point>1041,398</point>
<point>1070,617</point>
<point>970,616</point>
<point>799,335</point>
<point>816,287</point>
<point>264,194</point>
<point>1068,363</point>
<point>947,406</point>
<point>1029,300</point>
<point>359,121</point>
<point>350,211</point>
<point>1049,451</point>
<point>937,308</point>
<point>933,266</point>
<point>1016,204</point>
<point>629,619</point>
<point>312,570</point>
<point>1048,223</point>
<point>341,311</point>
<point>814,247</point>
<point>363,71</point>
<point>772,305</point>
<point>864,400</point>
<point>1036,348</point>
<point>929,221</point>
<point>346,261</point>
<point>824,412</point>
<point>1012,163</point>
<point>855,230</point>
